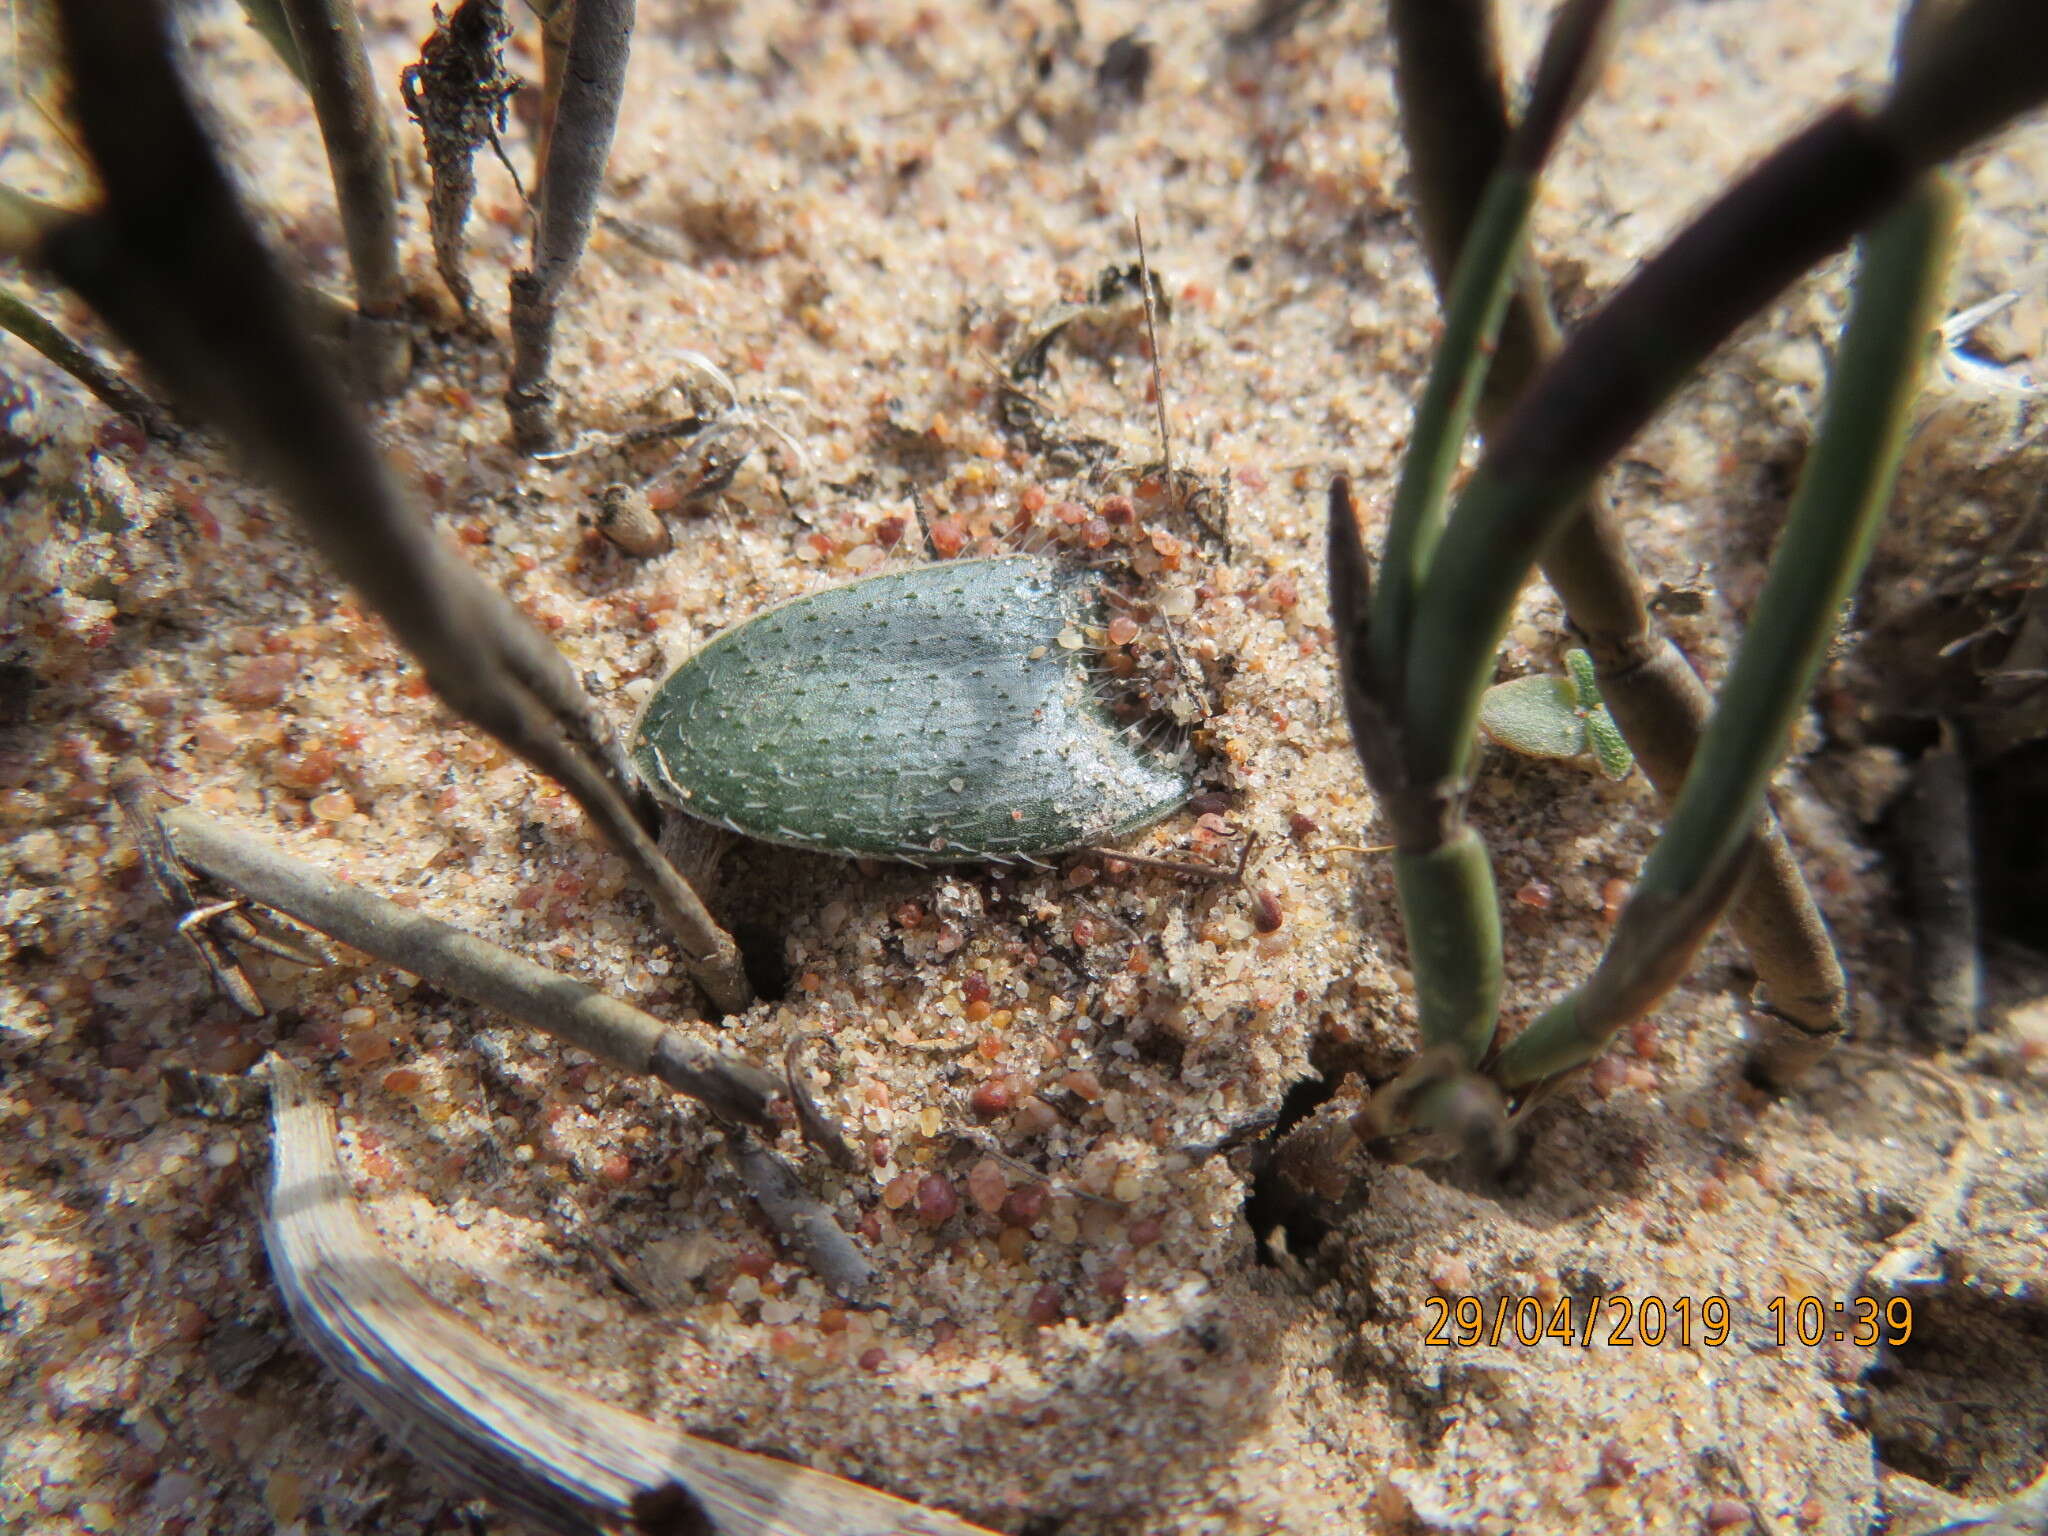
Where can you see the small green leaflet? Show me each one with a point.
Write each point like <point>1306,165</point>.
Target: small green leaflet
<point>1560,717</point>
<point>945,712</point>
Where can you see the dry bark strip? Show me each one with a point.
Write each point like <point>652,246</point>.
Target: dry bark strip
<point>557,1458</point>
<point>458,94</point>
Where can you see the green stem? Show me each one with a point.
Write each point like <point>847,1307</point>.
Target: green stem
<point>1487,274</point>
<point>1473,308</point>
<point>268,19</point>
<point>1693,870</point>
<point>1452,916</point>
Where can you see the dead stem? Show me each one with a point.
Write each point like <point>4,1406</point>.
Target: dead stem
<point>819,1129</point>
<point>1158,363</point>
<point>545,1452</point>
<point>572,174</point>
<point>328,36</point>
<point>799,1218</point>
<point>1941,877</point>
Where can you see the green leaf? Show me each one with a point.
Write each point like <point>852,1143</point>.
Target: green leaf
<point>1585,680</point>
<point>1536,716</point>
<point>1610,751</point>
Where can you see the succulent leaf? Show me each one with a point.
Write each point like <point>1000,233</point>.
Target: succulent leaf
<point>1610,750</point>
<point>1536,716</point>
<point>946,712</point>
<point>1585,680</point>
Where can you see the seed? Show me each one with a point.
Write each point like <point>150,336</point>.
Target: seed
<point>974,987</point>
<point>1118,510</point>
<point>1613,895</point>
<point>1537,894</point>
<point>987,1186</point>
<point>1084,1084</point>
<point>1084,931</point>
<point>873,1358</point>
<point>949,537</point>
<point>261,681</point>
<point>1726,1514</point>
<point>1035,1117</point>
<point>625,516</point>
<point>1122,630</point>
<point>1451,1276</point>
<point>307,770</point>
<point>1617,1466</point>
<point>1267,915</point>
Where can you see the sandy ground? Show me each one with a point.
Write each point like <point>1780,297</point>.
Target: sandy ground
<point>855,208</point>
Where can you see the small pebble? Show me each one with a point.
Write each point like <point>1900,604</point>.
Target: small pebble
<point>1727,1514</point>
<point>987,1185</point>
<point>1025,1205</point>
<point>936,1199</point>
<point>1045,1307</point>
<point>991,1099</point>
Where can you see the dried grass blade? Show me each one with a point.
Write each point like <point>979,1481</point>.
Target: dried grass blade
<point>555,1457</point>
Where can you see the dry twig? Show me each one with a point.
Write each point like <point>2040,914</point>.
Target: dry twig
<point>1941,882</point>
<point>614,1032</point>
